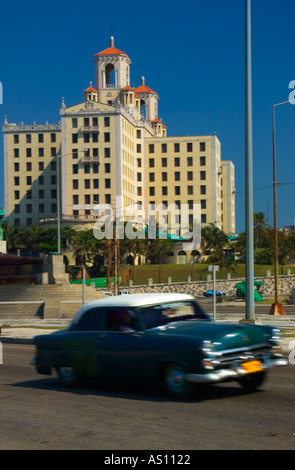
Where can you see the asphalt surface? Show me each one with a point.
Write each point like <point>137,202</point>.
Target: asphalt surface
<point>37,413</point>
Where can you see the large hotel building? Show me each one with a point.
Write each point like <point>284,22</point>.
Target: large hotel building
<point>112,146</point>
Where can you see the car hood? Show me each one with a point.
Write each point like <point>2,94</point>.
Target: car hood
<point>222,335</point>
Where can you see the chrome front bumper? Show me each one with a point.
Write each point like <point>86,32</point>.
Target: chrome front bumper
<point>234,372</point>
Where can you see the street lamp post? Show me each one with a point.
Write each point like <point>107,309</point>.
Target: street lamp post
<point>249,169</point>
<point>58,184</point>
<point>276,308</point>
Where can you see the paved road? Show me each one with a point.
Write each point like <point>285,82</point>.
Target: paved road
<point>37,413</point>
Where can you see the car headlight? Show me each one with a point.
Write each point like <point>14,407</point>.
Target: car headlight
<point>276,338</point>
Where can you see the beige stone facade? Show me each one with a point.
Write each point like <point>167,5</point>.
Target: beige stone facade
<point>113,149</point>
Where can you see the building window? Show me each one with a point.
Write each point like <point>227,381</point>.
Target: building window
<point>16,167</point>
<point>41,180</point>
<point>202,161</point>
<point>16,194</point>
<point>87,198</point>
<point>41,193</point>
<point>164,148</point>
<point>203,189</point>
<point>138,134</point>
<point>95,183</point>
<point>177,176</point>
<point>203,218</point>
<point>41,208</point>
<point>54,207</point>
<point>52,137</point>
<point>164,176</point>
<point>41,166</point>
<point>202,175</point>
<point>190,190</point>
<point>203,203</point>
<point>139,162</point>
<point>28,138</point>
<point>29,180</point>
<point>189,161</point>
<point>52,165</point>
<point>29,208</point>
<point>189,175</point>
<point>107,152</point>
<point>41,152</point>
<point>75,199</point>
<point>95,137</point>
<point>138,148</point>
<point>53,179</point>
<point>151,148</point>
<point>176,161</point>
<point>95,168</point>
<point>107,167</point>
<point>40,138</point>
<point>139,191</point>
<point>74,123</point>
<point>74,138</point>
<point>107,198</point>
<point>86,138</point>
<point>164,191</point>
<point>202,146</point>
<point>29,166</point>
<point>189,147</point>
<point>138,176</point>
<point>16,209</point>
<point>86,169</point>
<point>176,147</point>
<point>53,194</point>
<point>107,183</point>
<point>28,152</point>
<point>177,190</point>
<point>164,162</point>
<point>151,162</point>
<point>75,169</point>
<point>152,191</point>
<point>75,184</point>
<point>87,184</point>
<point>95,121</point>
<point>16,153</point>
<point>16,138</point>
<point>106,121</point>
<point>16,181</point>
<point>151,177</point>
<point>107,137</point>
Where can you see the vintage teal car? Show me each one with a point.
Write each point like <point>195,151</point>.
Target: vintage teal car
<point>143,338</point>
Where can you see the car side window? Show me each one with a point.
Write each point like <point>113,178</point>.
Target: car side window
<point>91,320</point>
<point>119,319</point>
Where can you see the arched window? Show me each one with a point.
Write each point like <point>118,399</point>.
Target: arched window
<point>110,76</point>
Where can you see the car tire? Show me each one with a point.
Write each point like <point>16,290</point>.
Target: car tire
<point>68,376</point>
<point>252,381</point>
<point>176,383</point>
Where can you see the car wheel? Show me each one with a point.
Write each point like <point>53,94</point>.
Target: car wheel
<point>68,376</point>
<point>252,381</point>
<point>176,382</point>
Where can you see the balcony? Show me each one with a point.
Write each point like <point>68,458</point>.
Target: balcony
<point>89,159</point>
<point>90,129</point>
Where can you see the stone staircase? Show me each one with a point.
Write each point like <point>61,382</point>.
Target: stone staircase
<point>43,301</point>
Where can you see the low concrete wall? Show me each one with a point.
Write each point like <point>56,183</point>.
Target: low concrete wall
<point>197,288</point>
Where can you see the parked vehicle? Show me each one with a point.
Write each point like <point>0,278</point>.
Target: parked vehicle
<point>209,293</point>
<point>145,338</point>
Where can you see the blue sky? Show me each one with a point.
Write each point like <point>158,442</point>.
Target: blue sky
<point>190,52</point>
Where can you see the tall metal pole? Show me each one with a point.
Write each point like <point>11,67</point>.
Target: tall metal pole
<point>249,169</point>
<point>58,157</point>
<point>276,308</point>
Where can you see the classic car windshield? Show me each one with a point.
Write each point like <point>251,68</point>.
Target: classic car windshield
<point>157,315</point>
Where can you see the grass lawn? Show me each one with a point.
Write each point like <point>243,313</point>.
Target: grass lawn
<point>180,272</point>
